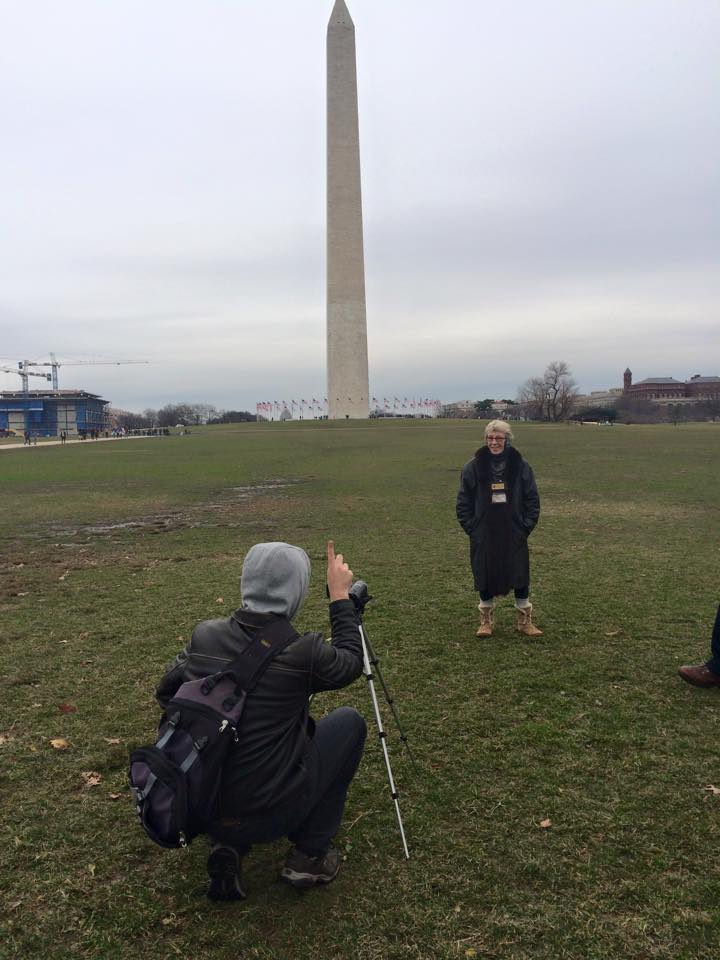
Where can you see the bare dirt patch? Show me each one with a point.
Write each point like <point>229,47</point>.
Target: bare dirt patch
<point>234,507</point>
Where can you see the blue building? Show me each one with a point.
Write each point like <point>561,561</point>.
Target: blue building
<point>47,412</point>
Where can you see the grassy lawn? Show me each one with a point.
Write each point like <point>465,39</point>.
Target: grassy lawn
<point>112,551</point>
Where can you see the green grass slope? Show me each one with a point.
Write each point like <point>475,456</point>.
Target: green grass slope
<point>111,552</point>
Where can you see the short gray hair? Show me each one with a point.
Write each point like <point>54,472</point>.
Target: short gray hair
<point>499,426</point>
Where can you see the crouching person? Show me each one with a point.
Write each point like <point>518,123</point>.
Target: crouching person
<point>286,776</point>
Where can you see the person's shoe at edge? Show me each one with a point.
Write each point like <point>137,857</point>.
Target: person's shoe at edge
<point>699,675</point>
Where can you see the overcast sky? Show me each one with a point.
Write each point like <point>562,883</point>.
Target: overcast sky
<point>540,182</point>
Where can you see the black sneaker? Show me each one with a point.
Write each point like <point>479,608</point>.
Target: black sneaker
<point>224,870</point>
<point>303,871</point>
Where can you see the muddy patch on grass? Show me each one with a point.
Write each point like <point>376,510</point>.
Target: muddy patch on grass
<point>269,491</point>
<point>244,493</point>
<point>233,507</point>
<point>152,524</point>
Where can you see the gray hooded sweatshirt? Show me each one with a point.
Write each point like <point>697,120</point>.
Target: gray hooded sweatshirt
<point>275,579</point>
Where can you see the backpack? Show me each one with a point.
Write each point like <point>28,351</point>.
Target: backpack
<point>176,781</point>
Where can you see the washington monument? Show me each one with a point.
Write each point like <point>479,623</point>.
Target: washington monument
<point>347,357</point>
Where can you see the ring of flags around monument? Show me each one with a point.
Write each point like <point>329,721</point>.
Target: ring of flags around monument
<point>317,408</point>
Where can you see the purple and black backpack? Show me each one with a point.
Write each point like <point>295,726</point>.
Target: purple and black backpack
<point>176,781</point>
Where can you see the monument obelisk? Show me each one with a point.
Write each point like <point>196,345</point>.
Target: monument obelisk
<point>347,358</point>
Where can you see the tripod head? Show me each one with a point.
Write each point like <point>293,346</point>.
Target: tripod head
<point>360,596</point>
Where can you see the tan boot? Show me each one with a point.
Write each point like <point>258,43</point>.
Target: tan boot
<point>524,622</point>
<point>486,621</point>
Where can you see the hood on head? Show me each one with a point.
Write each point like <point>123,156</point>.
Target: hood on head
<point>275,579</point>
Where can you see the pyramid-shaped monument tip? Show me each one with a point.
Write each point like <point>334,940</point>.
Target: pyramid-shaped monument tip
<point>340,14</point>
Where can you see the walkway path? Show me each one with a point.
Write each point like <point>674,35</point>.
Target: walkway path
<point>58,443</point>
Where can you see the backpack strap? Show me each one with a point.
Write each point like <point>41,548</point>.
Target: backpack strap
<point>267,643</point>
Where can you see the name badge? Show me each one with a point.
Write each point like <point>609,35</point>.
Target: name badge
<point>498,493</point>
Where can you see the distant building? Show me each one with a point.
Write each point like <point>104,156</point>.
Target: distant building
<point>703,388</point>
<point>668,388</point>
<point>47,412</point>
<point>599,398</point>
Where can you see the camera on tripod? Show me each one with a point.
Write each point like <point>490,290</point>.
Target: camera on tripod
<point>359,595</point>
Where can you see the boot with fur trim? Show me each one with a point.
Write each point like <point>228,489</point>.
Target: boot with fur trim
<point>524,622</point>
<point>486,621</point>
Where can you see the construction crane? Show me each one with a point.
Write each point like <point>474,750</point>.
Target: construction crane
<point>54,363</point>
<point>24,374</point>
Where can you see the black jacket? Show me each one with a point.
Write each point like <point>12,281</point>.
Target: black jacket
<point>473,502</point>
<point>273,761</point>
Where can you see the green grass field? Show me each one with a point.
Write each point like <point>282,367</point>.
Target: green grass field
<point>112,551</point>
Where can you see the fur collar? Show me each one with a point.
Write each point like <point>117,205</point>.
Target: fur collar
<point>483,458</point>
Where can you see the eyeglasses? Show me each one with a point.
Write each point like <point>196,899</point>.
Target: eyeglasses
<point>496,439</point>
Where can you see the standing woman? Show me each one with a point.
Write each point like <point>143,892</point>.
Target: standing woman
<point>498,506</point>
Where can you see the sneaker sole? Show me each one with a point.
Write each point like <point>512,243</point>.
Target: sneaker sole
<point>305,880</point>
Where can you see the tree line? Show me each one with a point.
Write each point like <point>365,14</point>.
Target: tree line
<point>178,414</point>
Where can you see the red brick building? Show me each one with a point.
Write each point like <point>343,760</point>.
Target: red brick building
<point>669,389</point>
<point>703,388</point>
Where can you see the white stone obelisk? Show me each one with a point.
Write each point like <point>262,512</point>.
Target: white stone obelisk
<point>347,358</point>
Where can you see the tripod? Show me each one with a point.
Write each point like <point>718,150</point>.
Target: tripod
<point>360,597</point>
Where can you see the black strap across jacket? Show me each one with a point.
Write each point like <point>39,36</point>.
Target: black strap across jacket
<point>273,762</point>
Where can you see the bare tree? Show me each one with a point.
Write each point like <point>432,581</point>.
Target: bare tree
<point>202,412</point>
<point>551,396</point>
<point>128,419</point>
<point>531,398</point>
<point>175,413</point>
<point>561,390</point>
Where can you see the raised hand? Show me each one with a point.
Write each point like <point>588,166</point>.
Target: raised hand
<point>339,575</point>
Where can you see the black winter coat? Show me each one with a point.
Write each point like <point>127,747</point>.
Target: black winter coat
<point>473,504</point>
<point>274,762</point>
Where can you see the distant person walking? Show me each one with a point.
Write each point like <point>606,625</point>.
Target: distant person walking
<point>706,674</point>
<point>498,507</point>
<point>63,436</point>
<point>26,438</point>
